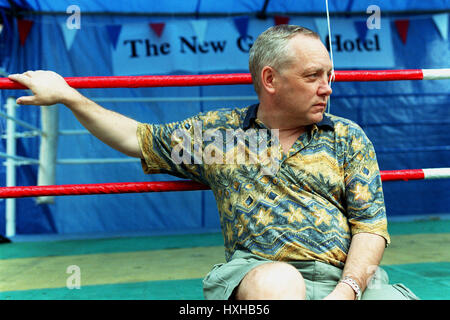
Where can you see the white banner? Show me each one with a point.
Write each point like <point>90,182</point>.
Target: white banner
<point>140,51</point>
<point>375,50</point>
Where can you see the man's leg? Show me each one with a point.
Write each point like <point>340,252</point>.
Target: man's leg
<point>272,281</point>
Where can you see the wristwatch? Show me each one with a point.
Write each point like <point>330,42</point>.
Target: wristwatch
<point>354,285</point>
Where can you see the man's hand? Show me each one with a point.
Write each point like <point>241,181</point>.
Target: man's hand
<point>48,88</point>
<point>114,129</point>
<point>365,253</point>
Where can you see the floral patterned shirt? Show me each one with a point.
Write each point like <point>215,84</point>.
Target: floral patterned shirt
<point>326,189</point>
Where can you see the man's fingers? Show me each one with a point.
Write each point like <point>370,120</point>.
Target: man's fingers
<point>26,100</point>
<point>47,87</point>
<point>21,78</point>
<point>25,80</point>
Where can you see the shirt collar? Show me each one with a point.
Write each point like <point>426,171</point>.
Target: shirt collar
<point>250,117</point>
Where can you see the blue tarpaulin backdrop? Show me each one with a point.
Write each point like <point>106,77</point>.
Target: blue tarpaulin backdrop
<point>407,121</point>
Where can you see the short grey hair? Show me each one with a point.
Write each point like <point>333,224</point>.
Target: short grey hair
<point>271,49</point>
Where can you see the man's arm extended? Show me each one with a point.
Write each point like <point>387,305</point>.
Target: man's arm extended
<point>114,129</point>
<point>365,253</point>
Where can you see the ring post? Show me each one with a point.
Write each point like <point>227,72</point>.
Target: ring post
<point>48,150</point>
<point>10,166</point>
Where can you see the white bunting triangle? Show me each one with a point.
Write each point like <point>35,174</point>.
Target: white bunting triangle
<point>441,22</point>
<point>321,27</point>
<point>68,34</point>
<point>199,27</point>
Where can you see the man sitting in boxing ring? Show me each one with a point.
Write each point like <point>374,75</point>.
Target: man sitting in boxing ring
<point>308,221</point>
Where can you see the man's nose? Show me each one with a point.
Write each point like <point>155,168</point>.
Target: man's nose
<point>325,88</point>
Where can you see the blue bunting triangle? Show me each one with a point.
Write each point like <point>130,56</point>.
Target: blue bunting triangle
<point>114,32</point>
<point>361,29</point>
<point>241,24</point>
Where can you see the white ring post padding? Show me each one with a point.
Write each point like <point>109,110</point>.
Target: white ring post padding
<point>10,206</point>
<point>436,173</point>
<point>436,74</point>
<point>48,150</point>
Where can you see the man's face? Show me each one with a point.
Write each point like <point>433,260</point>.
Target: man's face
<point>301,88</point>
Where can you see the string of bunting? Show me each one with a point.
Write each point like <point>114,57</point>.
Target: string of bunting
<point>401,25</point>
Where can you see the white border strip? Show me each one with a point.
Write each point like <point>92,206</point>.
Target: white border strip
<point>436,74</point>
<point>437,173</point>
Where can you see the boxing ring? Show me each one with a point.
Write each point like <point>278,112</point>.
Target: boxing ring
<point>11,191</point>
<point>193,80</point>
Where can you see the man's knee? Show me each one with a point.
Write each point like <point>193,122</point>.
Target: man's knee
<point>273,280</point>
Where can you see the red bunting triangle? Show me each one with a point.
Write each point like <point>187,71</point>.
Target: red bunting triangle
<point>24,27</point>
<point>158,28</point>
<point>402,29</point>
<point>281,20</point>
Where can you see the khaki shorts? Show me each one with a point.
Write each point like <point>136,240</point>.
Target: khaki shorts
<point>320,279</point>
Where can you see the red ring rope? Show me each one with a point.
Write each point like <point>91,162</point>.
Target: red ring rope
<point>166,186</point>
<point>215,79</point>
<point>145,81</point>
<point>379,75</point>
<point>392,175</point>
<point>100,188</point>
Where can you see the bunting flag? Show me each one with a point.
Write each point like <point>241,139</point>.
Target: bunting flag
<point>158,28</point>
<point>241,24</point>
<point>402,27</point>
<point>441,23</point>
<point>199,27</point>
<point>321,27</point>
<point>113,33</point>
<point>24,27</point>
<point>281,20</point>
<point>361,29</point>
<point>1,28</point>
<point>68,34</point>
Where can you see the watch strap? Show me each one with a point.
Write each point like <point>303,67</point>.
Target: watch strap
<point>353,284</point>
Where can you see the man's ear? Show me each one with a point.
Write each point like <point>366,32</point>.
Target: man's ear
<point>268,79</point>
